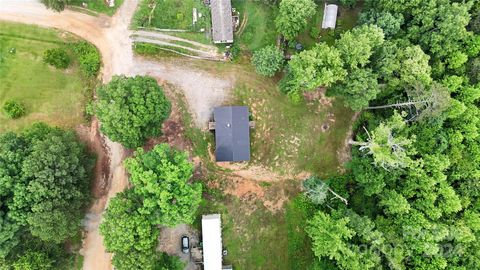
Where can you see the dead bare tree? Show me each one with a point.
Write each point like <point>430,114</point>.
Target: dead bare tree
<point>422,102</point>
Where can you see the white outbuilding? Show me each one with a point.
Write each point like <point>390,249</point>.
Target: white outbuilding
<point>329,16</point>
<point>212,242</point>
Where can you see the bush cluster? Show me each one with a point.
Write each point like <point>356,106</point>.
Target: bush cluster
<point>88,57</point>
<point>14,109</point>
<point>57,57</point>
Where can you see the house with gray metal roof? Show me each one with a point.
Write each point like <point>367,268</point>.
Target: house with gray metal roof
<point>222,21</point>
<point>232,133</point>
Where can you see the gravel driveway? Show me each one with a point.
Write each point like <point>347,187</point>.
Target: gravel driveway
<point>170,242</point>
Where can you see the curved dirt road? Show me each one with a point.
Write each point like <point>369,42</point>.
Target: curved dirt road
<point>112,37</point>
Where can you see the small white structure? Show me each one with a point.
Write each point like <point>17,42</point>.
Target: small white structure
<point>329,16</point>
<point>212,242</point>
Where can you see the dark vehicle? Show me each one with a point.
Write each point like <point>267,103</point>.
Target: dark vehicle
<point>185,244</point>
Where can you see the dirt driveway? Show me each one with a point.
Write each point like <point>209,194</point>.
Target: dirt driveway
<point>170,242</point>
<point>112,37</point>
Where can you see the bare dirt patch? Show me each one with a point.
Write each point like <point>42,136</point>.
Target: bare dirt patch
<point>96,144</point>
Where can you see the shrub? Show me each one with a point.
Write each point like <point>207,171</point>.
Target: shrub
<point>146,49</point>
<point>88,57</point>
<point>14,109</point>
<point>268,61</point>
<point>348,3</point>
<point>235,52</point>
<point>315,31</point>
<point>57,57</point>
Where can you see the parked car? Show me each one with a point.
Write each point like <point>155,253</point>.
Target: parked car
<point>185,244</point>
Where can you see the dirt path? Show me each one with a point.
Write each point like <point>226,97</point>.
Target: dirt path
<point>195,52</point>
<point>113,39</point>
<point>162,36</point>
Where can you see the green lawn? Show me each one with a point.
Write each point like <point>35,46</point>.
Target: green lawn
<point>99,6</point>
<point>294,132</point>
<point>260,28</point>
<point>257,239</point>
<point>171,14</point>
<point>54,96</point>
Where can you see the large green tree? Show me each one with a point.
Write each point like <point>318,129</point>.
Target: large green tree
<point>44,183</point>
<point>130,235</point>
<point>319,66</point>
<point>131,109</point>
<point>268,61</point>
<point>358,88</point>
<point>53,187</point>
<point>293,16</point>
<point>162,178</point>
<point>357,45</point>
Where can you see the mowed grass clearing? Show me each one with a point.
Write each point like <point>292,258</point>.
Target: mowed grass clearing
<point>53,96</point>
<point>171,14</point>
<point>259,30</point>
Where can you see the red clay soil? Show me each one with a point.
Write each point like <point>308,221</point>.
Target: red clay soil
<point>96,144</point>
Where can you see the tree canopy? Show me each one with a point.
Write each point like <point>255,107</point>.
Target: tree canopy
<point>44,180</point>
<point>131,109</point>
<point>161,177</point>
<point>412,184</point>
<point>161,195</point>
<point>268,61</point>
<point>320,66</point>
<point>130,235</point>
<point>293,16</point>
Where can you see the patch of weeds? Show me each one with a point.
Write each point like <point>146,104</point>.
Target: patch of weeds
<point>300,253</point>
<point>264,184</point>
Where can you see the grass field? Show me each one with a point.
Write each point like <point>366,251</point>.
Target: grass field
<point>257,238</point>
<point>53,96</point>
<point>171,14</point>
<point>99,6</point>
<point>260,28</point>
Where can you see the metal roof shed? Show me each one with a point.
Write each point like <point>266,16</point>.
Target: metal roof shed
<point>212,242</point>
<point>232,133</point>
<point>329,16</point>
<point>222,21</point>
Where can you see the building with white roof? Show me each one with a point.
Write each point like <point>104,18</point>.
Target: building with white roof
<point>329,16</point>
<point>212,242</point>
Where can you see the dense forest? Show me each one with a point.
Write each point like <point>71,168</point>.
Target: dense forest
<point>410,197</point>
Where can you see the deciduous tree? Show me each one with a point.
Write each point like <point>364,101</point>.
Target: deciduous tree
<point>130,235</point>
<point>359,87</point>
<point>319,66</point>
<point>268,61</point>
<point>357,45</point>
<point>131,109</point>
<point>161,177</point>
<point>293,16</point>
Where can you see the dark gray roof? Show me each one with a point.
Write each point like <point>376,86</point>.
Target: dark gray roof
<point>232,133</point>
<point>222,21</point>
